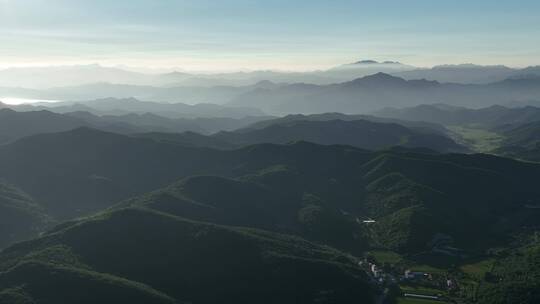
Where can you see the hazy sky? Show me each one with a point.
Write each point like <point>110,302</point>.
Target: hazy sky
<point>274,34</point>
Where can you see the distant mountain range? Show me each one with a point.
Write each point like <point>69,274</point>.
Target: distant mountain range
<point>15,125</point>
<point>382,90</point>
<point>102,90</point>
<point>330,128</point>
<point>117,106</point>
<point>419,126</point>
<point>469,73</point>
<point>359,133</point>
<point>348,94</point>
<point>80,75</point>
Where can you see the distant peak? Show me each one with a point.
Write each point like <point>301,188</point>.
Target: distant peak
<point>380,76</point>
<point>366,62</point>
<point>377,79</point>
<point>387,79</point>
<point>376,62</point>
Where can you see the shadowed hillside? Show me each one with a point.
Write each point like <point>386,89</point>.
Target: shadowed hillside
<point>152,257</point>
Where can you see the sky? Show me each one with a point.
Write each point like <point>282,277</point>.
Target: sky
<point>229,35</point>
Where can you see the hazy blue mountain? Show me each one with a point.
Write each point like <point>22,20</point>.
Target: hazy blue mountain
<point>340,95</point>
<point>462,73</point>
<point>115,106</point>
<point>77,75</point>
<point>416,125</point>
<point>378,91</point>
<point>148,122</point>
<point>359,133</point>
<point>368,132</point>
<point>77,81</point>
<point>174,110</point>
<point>192,94</point>
<point>363,68</point>
<point>81,75</point>
<point>14,125</point>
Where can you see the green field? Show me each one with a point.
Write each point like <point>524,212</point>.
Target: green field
<point>390,257</point>
<point>478,269</point>
<point>425,268</point>
<point>479,140</point>
<point>384,256</point>
<point>417,301</point>
<point>420,290</point>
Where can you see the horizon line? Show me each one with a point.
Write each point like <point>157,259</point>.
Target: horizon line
<point>157,69</point>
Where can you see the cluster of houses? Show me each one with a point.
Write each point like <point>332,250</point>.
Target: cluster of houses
<point>410,275</point>
<point>418,275</point>
<point>380,276</point>
<point>377,274</point>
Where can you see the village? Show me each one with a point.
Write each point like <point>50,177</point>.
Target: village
<point>395,280</point>
<point>402,284</point>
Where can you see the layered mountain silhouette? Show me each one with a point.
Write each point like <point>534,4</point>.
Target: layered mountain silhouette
<point>324,129</point>
<point>448,115</point>
<point>61,76</point>
<point>360,133</point>
<point>360,95</point>
<point>380,90</point>
<point>416,125</point>
<point>464,73</point>
<point>15,125</point>
<point>122,106</point>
